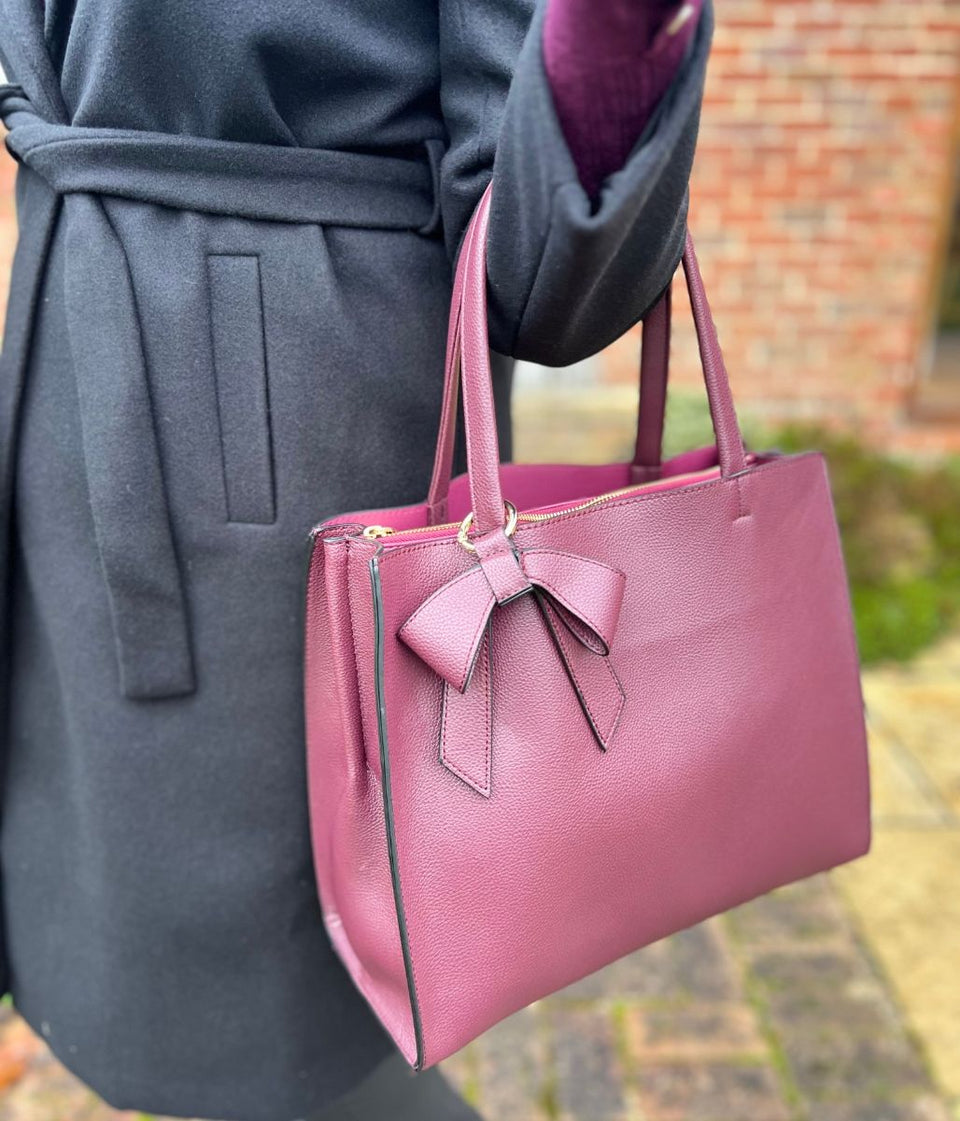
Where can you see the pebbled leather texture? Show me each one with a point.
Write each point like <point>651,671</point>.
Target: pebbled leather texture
<point>527,761</point>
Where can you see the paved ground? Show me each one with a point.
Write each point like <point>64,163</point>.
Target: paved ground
<point>904,895</point>
<point>837,999</point>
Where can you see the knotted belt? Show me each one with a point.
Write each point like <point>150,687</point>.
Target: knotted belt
<point>453,631</point>
<point>75,168</point>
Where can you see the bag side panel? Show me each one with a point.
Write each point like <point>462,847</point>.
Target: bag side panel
<point>346,799</point>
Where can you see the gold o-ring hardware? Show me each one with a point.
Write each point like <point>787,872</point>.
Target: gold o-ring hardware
<point>512,519</point>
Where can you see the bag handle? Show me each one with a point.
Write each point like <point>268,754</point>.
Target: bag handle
<point>651,413</point>
<point>468,360</point>
<point>443,458</point>
<point>648,453</point>
<point>654,362</point>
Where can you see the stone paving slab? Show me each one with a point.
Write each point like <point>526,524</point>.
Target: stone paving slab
<point>904,894</point>
<point>920,716</point>
<point>908,894</point>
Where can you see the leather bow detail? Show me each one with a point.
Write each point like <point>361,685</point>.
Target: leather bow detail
<point>579,600</point>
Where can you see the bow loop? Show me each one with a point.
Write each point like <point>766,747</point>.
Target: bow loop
<point>446,630</point>
<point>588,594</point>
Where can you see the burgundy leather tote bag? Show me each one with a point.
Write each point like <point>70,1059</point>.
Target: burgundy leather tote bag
<point>557,712</point>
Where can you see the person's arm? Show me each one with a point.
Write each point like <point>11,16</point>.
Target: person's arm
<point>568,273</point>
<point>609,62</point>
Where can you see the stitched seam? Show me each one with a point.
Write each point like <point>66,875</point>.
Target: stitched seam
<point>623,700</point>
<point>604,739</point>
<point>213,354</point>
<point>571,556</point>
<point>835,548</point>
<point>473,783</point>
<point>267,395</point>
<point>474,654</point>
<point>342,631</point>
<point>671,497</point>
<point>444,685</point>
<point>561,639</point>
<point>743,512</point>
<point>487,692</point>
<point>488,710</point>
<point>467,672</point>
<point>356,661</point>
<point>181,607</point>
<point>255,372</point>
<point>519,577</point>
<point>447,762</point>
<point>619,711</point>
<point>481,786</point>
<point>668,497</point>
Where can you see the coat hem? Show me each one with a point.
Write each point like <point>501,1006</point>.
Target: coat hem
<point>129,1097</point>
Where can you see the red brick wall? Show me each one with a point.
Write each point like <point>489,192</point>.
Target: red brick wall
<point>819,195</point>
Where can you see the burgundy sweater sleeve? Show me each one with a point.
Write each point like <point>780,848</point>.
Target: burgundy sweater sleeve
<point>609,62</point>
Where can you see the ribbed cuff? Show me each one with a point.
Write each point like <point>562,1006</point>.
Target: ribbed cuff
<point>609,62</point>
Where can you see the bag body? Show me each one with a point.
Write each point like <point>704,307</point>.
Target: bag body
<point>544,733</point>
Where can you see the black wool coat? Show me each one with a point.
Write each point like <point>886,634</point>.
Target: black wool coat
<point>227,322</point>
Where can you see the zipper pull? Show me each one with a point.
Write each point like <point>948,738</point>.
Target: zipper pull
<point>372,532</point>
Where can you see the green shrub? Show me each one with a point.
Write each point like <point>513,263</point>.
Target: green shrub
<point>899,523</point>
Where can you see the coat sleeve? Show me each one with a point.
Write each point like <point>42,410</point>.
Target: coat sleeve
<point>567,275</point>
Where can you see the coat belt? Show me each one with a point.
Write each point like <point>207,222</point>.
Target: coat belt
<point>75,168</point>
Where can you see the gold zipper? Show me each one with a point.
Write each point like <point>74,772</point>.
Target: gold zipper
<point>374,532</point>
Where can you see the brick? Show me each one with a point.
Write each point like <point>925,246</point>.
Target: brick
<point>717,1092</point>
<point>835,1022</point>
<point>588,1075</point>
<point>923,1108</point>
<point>803,912</point>
<point>691,964</point>
<point>512,1069</point>
<point>698,1032</point>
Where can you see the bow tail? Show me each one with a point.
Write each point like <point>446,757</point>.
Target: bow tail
<point>466,718</point>
<point>466,723</point>
<point>593,678</point>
